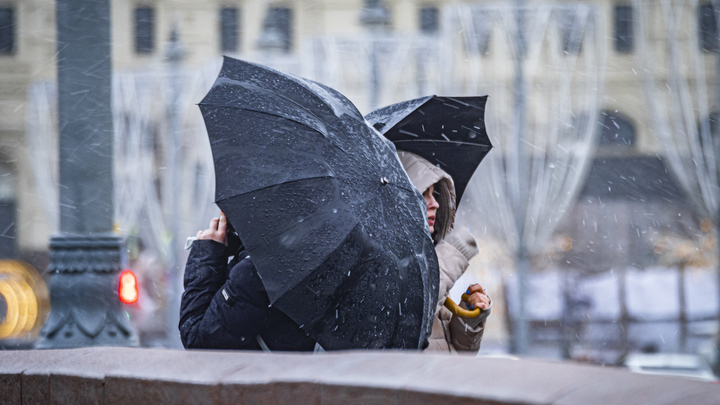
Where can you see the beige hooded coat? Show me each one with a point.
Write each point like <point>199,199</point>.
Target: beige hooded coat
<point>450,333</point>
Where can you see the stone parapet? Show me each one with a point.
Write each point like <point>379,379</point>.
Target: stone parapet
<point>128,376</point>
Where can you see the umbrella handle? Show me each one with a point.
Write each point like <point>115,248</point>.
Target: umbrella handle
<point>458,310</point>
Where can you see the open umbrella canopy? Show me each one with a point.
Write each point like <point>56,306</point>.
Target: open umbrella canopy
<point>447,131</point>
<point>336,230</point>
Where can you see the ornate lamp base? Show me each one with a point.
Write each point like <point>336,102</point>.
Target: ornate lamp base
<point>85,309</point>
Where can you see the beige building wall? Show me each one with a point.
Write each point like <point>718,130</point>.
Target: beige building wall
<point>197,23</point>
<point>33,59</point>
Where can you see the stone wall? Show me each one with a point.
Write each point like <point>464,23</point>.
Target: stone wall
<point>105,375</point>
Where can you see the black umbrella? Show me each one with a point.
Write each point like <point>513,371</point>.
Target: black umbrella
<point>447,131</point>
<point>335,229</point>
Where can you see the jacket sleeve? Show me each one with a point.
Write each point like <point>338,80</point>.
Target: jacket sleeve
<point>462,334</point>
<point>452,265</point>
<point>221,309</point>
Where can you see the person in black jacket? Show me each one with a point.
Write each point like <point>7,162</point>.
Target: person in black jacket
<point>227,307</point>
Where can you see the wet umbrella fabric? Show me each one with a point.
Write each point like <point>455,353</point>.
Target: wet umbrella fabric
<point>447,131</point>
<point>332,223</point>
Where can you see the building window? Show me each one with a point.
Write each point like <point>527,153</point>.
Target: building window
<point>277,30</point>
<point>483,34</point>
<point>8,210</point>
<point>229,29</point>
<point>479,43</point>
<point>144,30</point>
<point>623,29</point>
<point>283,18</point>
<point>709,124</point>
<point>571,35</point>
<point>7,30</point>
<point>429,20</point>
<point>616,129</point>
<point>707,25</point>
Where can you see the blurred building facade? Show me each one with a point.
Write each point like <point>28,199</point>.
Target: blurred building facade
<point>208,29</point>
<point>629,197</point>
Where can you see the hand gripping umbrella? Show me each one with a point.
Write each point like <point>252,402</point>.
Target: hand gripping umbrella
<point>320,201</point>
<point>447,131</point>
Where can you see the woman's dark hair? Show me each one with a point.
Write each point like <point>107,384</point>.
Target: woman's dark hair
<point>445,216</point>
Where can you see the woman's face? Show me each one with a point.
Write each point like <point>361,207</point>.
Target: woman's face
<point>432,206</point>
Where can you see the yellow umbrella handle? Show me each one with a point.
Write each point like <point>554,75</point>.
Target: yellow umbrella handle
<point>459,311</point>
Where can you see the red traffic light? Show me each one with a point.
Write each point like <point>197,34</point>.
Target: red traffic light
<point>127,288</point>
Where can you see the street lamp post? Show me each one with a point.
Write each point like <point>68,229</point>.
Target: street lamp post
<point>86,256</point>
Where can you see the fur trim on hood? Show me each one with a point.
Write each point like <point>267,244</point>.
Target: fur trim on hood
<point>424,174</point>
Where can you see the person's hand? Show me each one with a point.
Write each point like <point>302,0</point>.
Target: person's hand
<point>477,297</point>
<point>217,230</point>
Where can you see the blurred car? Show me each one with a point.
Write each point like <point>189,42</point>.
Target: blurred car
<point>671,364</point>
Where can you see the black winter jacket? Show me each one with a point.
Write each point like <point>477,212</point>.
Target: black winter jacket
<point>226,308</point>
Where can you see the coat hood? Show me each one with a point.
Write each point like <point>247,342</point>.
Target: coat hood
<point>424,174</point>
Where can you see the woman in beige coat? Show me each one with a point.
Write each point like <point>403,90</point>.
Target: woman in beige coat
<point>450,333</point>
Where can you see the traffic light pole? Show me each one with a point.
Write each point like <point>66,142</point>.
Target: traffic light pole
<point>86,257</point>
